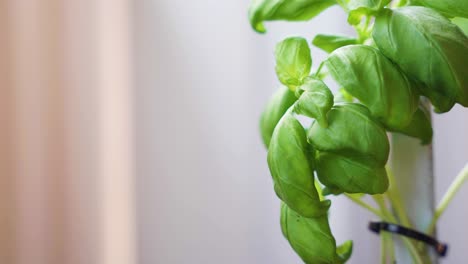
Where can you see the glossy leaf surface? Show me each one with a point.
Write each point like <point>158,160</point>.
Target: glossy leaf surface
<point>379,84</point>
<point>351,129</point>
<point>351,173</point>
<point>281,100</point>
<point>292,10</point>
<point>353,151</point>
<point>290,159</point>
<point>429,48</point>
<point>293,61</point>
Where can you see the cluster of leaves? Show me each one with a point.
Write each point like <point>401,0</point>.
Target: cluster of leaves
<point>412,51</point>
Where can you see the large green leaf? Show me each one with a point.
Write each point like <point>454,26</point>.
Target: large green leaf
<point>312,239</point>
<point>330,43</point>
<point>419,127</point>
<point>351,130</point>
<point>429,48</point>
<point>452,8</point>
<point>281,100</point>
<point>290,159</point>
<point>351,173</point>
<point>291,10</point>
<point>353,151</point>
<point>293,61</point>
<point>315,101</point>
<point>379,84</point>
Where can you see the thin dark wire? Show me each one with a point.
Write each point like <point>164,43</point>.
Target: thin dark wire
<point>440,248</point>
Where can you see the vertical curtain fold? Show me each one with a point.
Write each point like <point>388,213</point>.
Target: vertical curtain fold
<point>65,143</point>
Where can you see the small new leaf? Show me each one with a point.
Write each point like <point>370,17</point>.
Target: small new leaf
<point>293,61</point>
<point>315,101</point>
<point>291,10</point>
<point>329,43</point>
<point>359,8</point>
<point>345,250</point>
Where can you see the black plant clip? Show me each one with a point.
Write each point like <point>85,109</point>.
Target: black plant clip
<point>440,248</point>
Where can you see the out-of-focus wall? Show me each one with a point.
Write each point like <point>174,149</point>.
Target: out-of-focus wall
<point>450,155</point>
<point>203,186</point>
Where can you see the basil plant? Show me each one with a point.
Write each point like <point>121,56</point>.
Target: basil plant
<point>405,54</point>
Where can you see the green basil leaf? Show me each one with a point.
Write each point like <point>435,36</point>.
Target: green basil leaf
<point>293,61</point>
<point>355,16</point>
<point>376,82</point>
<point>291,10</point>
<point>352,151</point>
<point>420,127</point>
<point>290,159</point>
<point>351,173</point>
<point>329,43</point>
<point>312,239</point>
<point>315,101</point>
<point>345,250</point>
<point>451,8</point>
<point>281,100</point>
<point>359,8</point>
<point>351,129</point>
<point>429,48</point>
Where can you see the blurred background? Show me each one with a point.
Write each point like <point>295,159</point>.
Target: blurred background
<point>129,134</point>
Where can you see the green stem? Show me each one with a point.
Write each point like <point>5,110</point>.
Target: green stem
<point>363,204</point>
<point>383,247</point>
<point>388,249</point>
<point>395,200</point>
<point>399,3</point>
<point>413,250</point>
<point>391,218</point>
<point>448,196</point>
<point>343,5</point>
<point>391,246</point>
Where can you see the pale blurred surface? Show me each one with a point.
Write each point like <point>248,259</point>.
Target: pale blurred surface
<point>66,185</point>
<point>130,135</point>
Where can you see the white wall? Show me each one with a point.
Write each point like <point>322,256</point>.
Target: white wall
<point>204,190</point>
<point>450,155</point>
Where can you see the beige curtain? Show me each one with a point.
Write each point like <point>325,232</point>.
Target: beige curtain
<point>65,138</point>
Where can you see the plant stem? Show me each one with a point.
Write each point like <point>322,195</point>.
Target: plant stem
<point>391,246</point>
<point>388,250</point>
<point>399,3</point>
<point>383,248</point>
<point>448,196</point>
<point>379,199</point>
<point>363,204</point>
<point>395,200</point>
<point>343,5</point>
